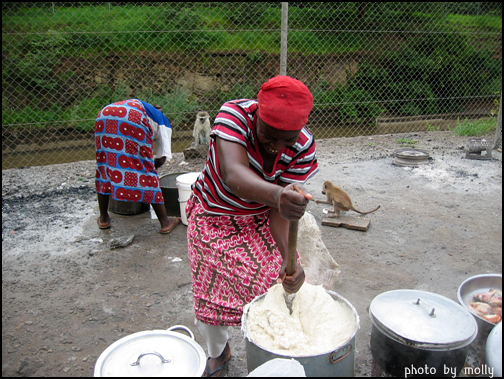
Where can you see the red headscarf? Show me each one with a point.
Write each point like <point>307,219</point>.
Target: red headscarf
<point>285,103</point>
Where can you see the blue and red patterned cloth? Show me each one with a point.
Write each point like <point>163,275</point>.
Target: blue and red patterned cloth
<point>124,151</point>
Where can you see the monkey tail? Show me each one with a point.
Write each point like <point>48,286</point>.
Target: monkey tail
<point>365,213</point>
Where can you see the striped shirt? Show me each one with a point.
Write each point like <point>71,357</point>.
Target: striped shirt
<point>236,122</point>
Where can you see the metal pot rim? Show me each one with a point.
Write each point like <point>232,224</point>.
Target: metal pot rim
<point>396,313</point>
<point>461,295</point>
<point>333,294</point>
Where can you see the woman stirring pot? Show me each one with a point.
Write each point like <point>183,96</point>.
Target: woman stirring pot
<point>260,154</point>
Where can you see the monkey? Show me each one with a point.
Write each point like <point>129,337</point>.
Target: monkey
<point>339,199</point>
<point>202,129</point>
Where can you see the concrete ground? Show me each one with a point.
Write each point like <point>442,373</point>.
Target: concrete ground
<point>66,296</point>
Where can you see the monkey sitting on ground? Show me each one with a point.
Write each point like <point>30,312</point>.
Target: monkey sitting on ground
<point>339,199</point>
<point>202,129</point>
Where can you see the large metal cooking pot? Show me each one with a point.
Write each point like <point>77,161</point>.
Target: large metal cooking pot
<point>127,207</point>
<point>153,353</point>
<point>168,184</point>
<point>336,363</point>
<point>420,333</point>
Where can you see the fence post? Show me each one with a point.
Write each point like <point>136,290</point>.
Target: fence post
<point>498,130</point>
<point>283,38</point>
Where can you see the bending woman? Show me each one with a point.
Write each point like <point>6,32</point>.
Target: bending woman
<point>125,164</point>
<point>259,155</point>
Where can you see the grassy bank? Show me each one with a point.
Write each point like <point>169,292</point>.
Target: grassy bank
<point>411,62</point>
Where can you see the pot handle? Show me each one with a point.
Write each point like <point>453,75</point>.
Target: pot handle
<point>181,327</point>
<point>137,362</point>
<point>341,354</point>
<point>431,312</point>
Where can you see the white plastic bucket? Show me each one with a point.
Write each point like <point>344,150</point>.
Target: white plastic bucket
<point>184,183</point>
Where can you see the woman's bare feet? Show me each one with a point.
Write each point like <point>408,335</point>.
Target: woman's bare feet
<point>169,224</point>
<point>215,365</point>
<point>103,221</point>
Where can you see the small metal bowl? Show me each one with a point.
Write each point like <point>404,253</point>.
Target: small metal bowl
<point>472,286</point>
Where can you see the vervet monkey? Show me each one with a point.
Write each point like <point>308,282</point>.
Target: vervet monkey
<point>339,199</point>
<point>202,129</point>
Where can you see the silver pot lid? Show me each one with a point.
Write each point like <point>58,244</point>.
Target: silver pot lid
<point>153,353</point>
<point>423,319</point>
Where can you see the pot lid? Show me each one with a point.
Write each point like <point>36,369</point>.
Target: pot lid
<point>410,157</point>
<point>423,319</point>
<point>153,353</point>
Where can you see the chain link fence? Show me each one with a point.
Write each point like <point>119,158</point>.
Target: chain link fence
<point>373,68</point>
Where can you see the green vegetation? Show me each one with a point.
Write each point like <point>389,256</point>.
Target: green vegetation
<point>402,72</point>
<point>31,117</point>
<point>179,26</point>
<point>432,128</point>
<point>406,142</point>
<point>178,104</point>
<point>432,73</point>
<point>475,128</point>
<point>350,102</point>
<point>463,22</point>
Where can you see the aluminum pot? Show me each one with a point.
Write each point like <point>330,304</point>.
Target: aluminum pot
<point>336,363</point>
<point>420,333</point>
<point>476,284</point>
<point>153,353</point>
<point>127,207</point>
<point>493,350</point>
<point>168,184</point>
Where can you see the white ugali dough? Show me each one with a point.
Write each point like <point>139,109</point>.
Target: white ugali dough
<point>318,324</point>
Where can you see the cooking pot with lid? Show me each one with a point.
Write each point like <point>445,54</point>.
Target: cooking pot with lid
<point>420,333</point>
<point>153,353</point>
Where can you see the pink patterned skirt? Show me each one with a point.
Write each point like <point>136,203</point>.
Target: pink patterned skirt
<point>233,260</point>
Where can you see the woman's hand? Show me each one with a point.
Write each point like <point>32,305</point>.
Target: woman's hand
<point>291,284</point>
<point>292,201</point>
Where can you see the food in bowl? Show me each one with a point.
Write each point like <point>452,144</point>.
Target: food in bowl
<point>488,305</point>
<point>318,323</point>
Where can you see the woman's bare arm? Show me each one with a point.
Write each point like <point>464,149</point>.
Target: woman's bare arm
<point>243,182</point>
